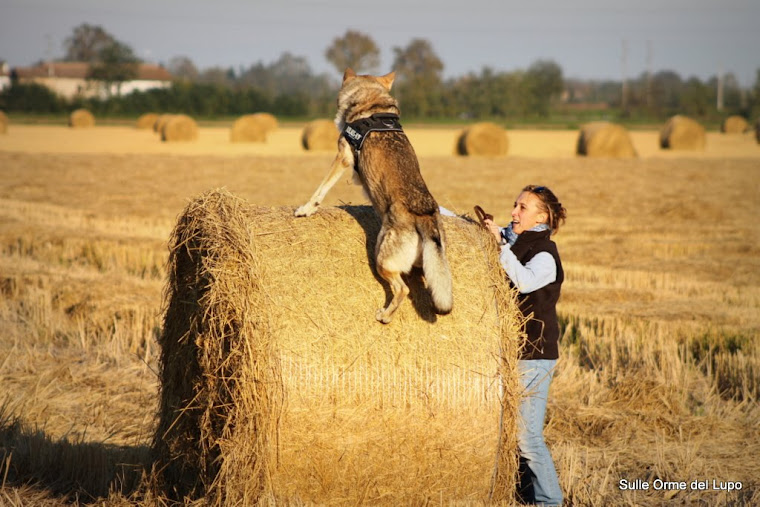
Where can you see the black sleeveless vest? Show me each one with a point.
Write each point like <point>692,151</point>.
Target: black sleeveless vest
<point>542,328</point>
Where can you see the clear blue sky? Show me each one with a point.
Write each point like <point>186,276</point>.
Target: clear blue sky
<point>585,37</point>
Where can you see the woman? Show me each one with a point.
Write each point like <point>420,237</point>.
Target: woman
<point>531,261</point>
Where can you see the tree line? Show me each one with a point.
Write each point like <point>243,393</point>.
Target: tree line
<point>288,87</point>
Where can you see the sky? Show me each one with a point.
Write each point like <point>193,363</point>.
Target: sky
<point>589,39</point>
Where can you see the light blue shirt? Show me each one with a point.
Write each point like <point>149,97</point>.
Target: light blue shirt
<point>538,272</point>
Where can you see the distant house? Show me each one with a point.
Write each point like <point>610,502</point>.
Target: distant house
<point>5,76</point>
<point>69,79</point>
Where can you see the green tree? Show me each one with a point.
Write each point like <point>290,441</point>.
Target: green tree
<point>355,50</point>
<point>86,43</point>
<point>418,74</point>
<point>182,67</point>
<point>542,86</point>
<point>116,63</point>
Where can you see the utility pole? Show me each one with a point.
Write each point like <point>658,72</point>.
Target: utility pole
<point>623,65</point>
<point>719,105</point>
<point>649,75</point>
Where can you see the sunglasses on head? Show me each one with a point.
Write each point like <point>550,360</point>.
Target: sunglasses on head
<point>538,190</point>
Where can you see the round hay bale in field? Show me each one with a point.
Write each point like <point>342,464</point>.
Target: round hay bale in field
<point>734,124</point>
<point>81,118</point>
<point>146,121</point>
<point>604,139</point>
<point>248,129</point>
<point>320,135</point>
<point>158,125</point>
<point>487,139</point>
<point>268,120</point>
<point>278,383</point>
<point>682,133</point>
<point>3,123</point>
<point>179,127</point>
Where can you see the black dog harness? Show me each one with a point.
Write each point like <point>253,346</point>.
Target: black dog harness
<point>356,132</point>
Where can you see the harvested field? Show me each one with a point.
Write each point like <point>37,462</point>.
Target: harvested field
<point>660,368</point>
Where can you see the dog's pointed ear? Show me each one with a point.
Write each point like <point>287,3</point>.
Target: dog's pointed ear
<point>349,74</point>
<point>387,80</point>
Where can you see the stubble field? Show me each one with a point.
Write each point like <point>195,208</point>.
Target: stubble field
<point>659,376</point>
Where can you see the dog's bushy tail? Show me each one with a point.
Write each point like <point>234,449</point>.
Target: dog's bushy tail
<point>435,265</point>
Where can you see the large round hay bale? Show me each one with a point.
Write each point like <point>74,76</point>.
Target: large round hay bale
<point>3,123</point>
<point>248,129</point>
<point>487,139</point>
<point>320,135</point>
<point>272,349</point>
<point>604,139</point>
<point>179,127</point>
<point>734,124</point>
<point>268,120</point>
<point>81,118</point>
<point>146,121</point>
<point>158,125</point>
<point>682,133</point>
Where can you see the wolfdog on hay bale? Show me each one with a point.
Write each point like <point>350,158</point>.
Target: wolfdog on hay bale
<point>275,387</point>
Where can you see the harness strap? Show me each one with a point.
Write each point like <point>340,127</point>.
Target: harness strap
<point>356,132</point>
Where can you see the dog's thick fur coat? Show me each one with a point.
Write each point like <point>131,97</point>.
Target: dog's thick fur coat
<point>411,233</point>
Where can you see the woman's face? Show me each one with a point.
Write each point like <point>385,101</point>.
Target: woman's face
<point>527,213</point>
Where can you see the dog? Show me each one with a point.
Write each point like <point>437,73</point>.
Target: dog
<point>373,143</point>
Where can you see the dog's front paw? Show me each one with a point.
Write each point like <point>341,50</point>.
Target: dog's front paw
<point>306,210</point>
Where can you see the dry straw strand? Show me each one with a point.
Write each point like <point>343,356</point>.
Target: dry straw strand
<point>604,139</point>
<point>485,139</point>
<point>319,134</point>
<point>179,127</point>
<point>81,118</point>
<point>352,409</point>
<point>682,133</point>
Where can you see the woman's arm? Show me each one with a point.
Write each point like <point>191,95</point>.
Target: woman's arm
<point>538,272</point>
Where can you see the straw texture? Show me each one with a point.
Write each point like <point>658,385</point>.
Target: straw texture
<point>277,383</point>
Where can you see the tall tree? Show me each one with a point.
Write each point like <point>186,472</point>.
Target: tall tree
<point>355,50</point>
<point>418,73</point>
<point>544,84</point>
<point>86,43</point>
<point>182,67</point>
<point>116,63</point>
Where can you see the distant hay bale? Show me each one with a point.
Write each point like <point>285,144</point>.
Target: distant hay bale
<point>3,123</point>
<point>146,121</point>
<point>734,124</point>
<point>487,139</point>
<point>320,135</point>
<point>248,129</point>
<point>278,385</point>
<point>158,126</point>
<point>268,120</point>
<point>81,118</point>
<point>682,133</point>
<point>179,127</point>
<point>604,139</point>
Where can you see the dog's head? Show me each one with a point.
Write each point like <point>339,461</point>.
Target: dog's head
<point>385,81</point>
<point>362,95</point>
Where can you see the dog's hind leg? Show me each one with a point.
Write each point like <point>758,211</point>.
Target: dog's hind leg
<point>395,253</point>
<point>343,160</point>
<point>399,289</point>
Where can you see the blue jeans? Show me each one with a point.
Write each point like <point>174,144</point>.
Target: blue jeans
<point>536,376</point>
